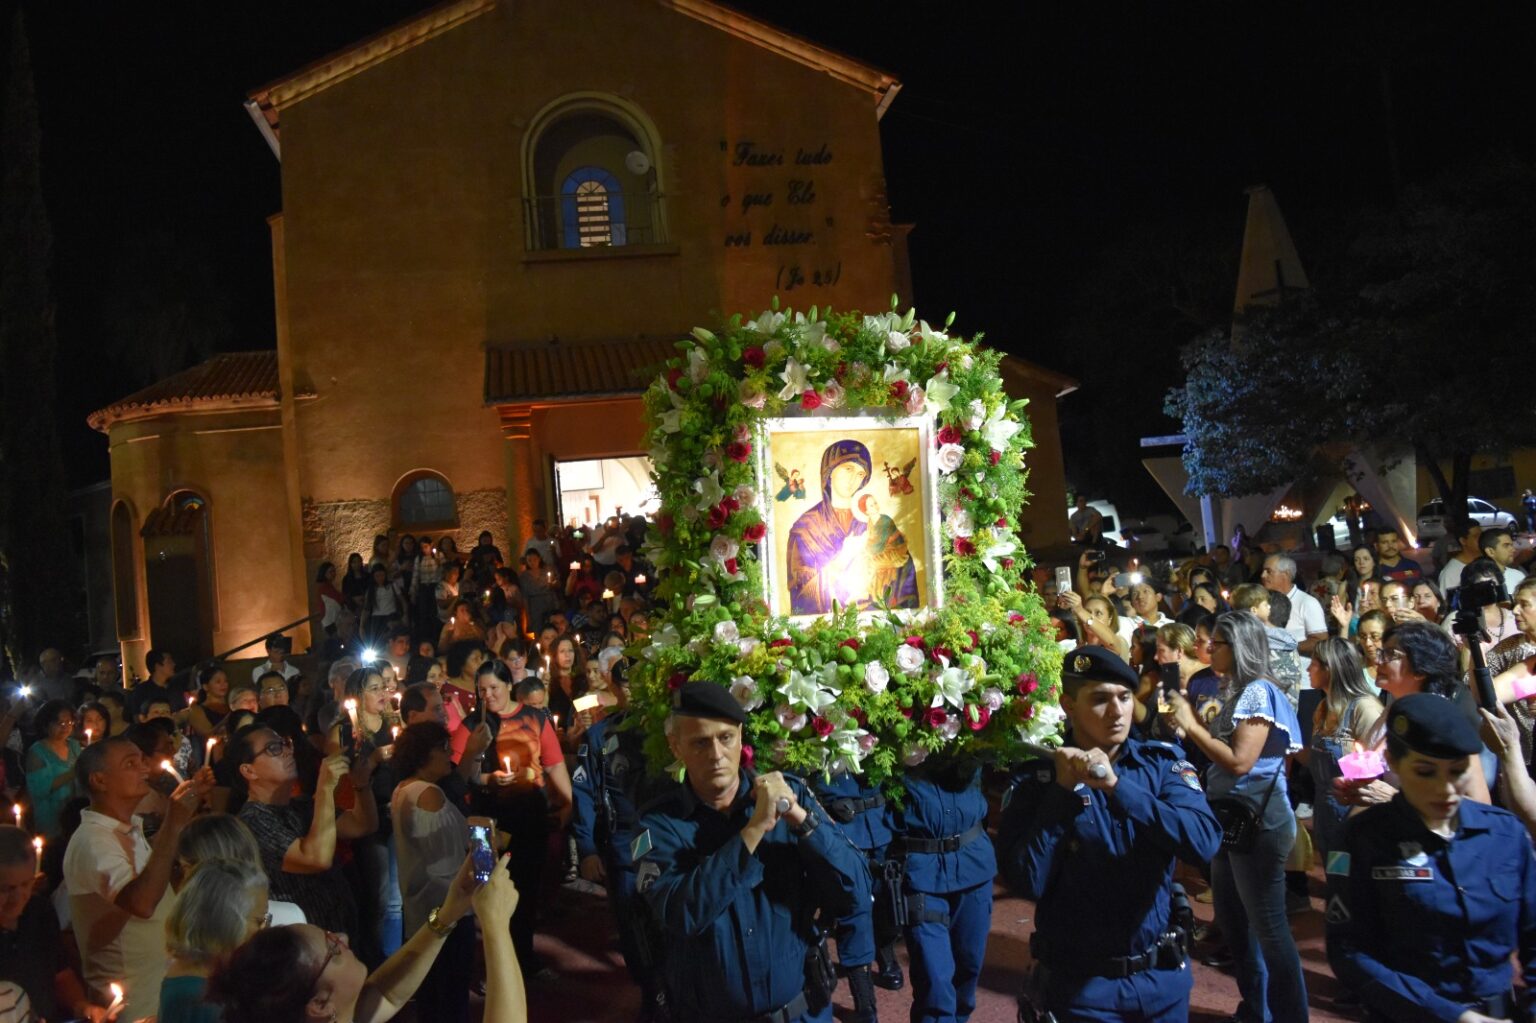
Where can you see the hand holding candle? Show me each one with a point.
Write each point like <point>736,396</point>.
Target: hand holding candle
<point>208,749</point>
<point>117,998</point>
<point>170,769</point>
<point>1362,764</point>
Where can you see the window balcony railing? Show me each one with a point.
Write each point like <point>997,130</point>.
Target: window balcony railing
<point>583,221</point>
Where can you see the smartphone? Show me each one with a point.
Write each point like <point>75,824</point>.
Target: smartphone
<point>1168,677</point>
<point>482,847</point>
<point>1063,578</point>
<point>588,702</point>
<point>1095,557</point>
<point>1125,579</point>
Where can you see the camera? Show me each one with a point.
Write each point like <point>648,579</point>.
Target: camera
<point>1474,596</point>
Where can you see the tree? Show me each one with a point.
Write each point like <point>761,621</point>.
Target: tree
<point>1419,343</point>
<point>36,598</point>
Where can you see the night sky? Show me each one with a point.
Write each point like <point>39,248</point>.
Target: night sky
<point>1076,175</point>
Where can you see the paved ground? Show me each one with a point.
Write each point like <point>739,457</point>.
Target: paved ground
<point>579,940</point>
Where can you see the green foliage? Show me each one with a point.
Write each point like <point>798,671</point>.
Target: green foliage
<point>870,690</point>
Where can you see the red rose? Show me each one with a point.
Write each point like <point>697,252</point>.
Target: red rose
<point>964,547</point>
<point>736,451</point>
<point>755,357</point>
<point>810,400</point>
<point>730,504</point>
<point>673,376</point>
<point>899,390</point>
<point>983,715</point>
<point>916,641</point>
<point>906,712</point>
<point>1007,562</point>
<point>717,516</point>
<point>1026,683</point>
<point>996,456</point>
<point>1002,522</point>
<point>950,435</point>
<point>851,643</point>
<point>782,641</point>
<point>748,756</point>
<point>1014,618</point>
<point>936,718</point>
<point>678,679</point>
<point>942,651</point>
<point>755,532</point>
<point>821,726</point>
<point>1026,711</point>
<point>941,367</point>
<point>858,714</point>
<point>965,492</point>
<point>975,639</point>
<point>731,566</point>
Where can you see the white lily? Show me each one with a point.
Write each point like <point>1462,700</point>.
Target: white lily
<point>796,380</point>
<point>698,365</point>
<point>939,392</point>
<point>768,323</point>
<point>709,490</point>
<point>952,685</point>
<point>805,691</point>
<point>927,333</point>
<point>1045,725</point>
<point>993,551</point>
<point>999,431</point>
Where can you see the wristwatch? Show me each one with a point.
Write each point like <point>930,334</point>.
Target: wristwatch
<point>805,827</point>
<point>442,930</point>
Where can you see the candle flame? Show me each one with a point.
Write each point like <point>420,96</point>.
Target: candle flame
<point>116,989</point>
<point>37,844</point>
<point>507,763</point>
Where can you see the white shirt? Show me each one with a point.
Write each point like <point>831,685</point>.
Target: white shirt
<point>1450,576</point>
<point>1307,619</point>
<point>430,845</point>
<point>545,547</point>
<point>288,670</point>
<point>103,857</point>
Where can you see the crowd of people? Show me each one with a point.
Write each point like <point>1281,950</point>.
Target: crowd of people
<point>296,840</point>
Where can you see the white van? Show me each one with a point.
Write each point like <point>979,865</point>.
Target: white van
<point>1111,520</point>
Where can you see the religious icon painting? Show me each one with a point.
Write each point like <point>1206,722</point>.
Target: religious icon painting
<point>860,526</point>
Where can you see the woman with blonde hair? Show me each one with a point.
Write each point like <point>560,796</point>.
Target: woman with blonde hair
<point>222,904</point>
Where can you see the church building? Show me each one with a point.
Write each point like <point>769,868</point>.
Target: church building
<point>496,220</point>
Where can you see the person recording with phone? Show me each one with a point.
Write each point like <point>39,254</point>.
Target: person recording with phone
<point>298,836</point>
<point>1097,622</point>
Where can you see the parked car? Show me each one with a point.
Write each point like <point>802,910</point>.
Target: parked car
<point>1159,533</point>
<point>1111,524</point>
<point>1433,522</point>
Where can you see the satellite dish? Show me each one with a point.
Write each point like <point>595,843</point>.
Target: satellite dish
<point>637,163</point>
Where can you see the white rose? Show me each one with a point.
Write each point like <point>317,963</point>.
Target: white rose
<point>726,632</point>
<point>909,659</point>
<point>959,522</point>
<point>723,547</point>
<point>913,755</point>
<point>896,341</point>
<point>790,718</point>
<point>876,678</point>
<point>951,727</point>
<point>751,396</point>
<point>747,645</point>
<point>745,496</point>
<point>832,394</point>
<point>949,457</point>
<point>744,689</point>
<point>993,698</point>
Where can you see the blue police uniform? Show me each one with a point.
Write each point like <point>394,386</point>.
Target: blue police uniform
<point>859,811</point>
<point>608,780</point>
<point>941,833</point>
<point>1099,866</point>
<point>739,924</point>
<point>1422,927</point>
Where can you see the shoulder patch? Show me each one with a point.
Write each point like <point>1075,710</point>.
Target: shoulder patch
<point>1338,913</point>
<point>1338,864</point>
<point>580,774</point>
<point>581,752</point>
<point>610,743</point>
<point>647,873</point>
<point>641,845</point>
<point>1187,773</point>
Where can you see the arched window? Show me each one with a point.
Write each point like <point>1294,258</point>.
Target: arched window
<point>424,500</point>
<point>125,571</point>
<point>590,175</point>
<point>593,209</point>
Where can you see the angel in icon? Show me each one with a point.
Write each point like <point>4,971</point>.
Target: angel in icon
<point>794,483</point>
<point>899,481</point>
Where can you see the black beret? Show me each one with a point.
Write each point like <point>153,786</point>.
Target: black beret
<point>1096,664</point>
<point>707,700</point>
<point>1433,726</point>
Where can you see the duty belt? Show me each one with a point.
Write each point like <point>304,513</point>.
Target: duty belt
<point>854,805</point>
<point>792,1010</point>
<point>1168,954</point>
<point>943,845</point>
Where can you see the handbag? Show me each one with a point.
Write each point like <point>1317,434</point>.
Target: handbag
<point>1240,819</point>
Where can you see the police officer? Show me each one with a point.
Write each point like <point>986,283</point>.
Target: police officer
<point>869,934</point>
<point>609,780</point>
<point>734,867</point>
<point>1430,893</point>
<point>1095,846</point>
<point>948,869</point>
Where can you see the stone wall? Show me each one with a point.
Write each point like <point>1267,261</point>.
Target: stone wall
<point>334,529</point>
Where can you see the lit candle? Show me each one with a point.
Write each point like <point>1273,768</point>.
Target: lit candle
<point>1362,764</point>
<point>639,580</point>
<point>208,749</point>
<point>37,845</point>
<point>117,998</point>
<point>487,594</point>
<point>607,594</point>
<point>16,812</point>
<point>351,706</point>
<point>190,698</point>
<point>170,769</point>
<point>506,762</point>
<point>88,734</point>
<point>575,566</point>
<point>394,733</point>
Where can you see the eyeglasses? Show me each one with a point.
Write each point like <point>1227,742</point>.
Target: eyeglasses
<point>1385,656</point>
<point>335,945</point>
<point>276,748</point>
<point>274,690</point>
<point>373,689</point>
